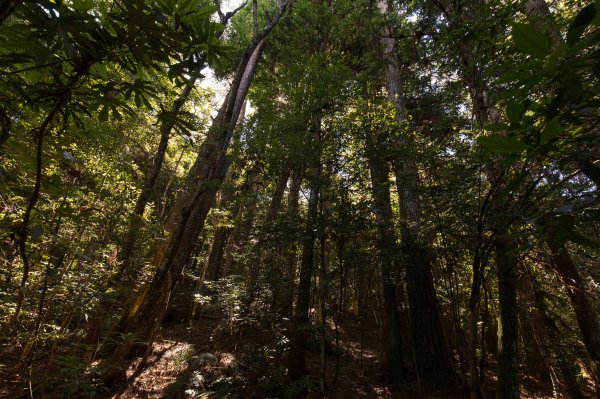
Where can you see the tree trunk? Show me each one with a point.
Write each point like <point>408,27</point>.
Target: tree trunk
<point>534,355</point>
<point>126,273</point>
<point>576,290</point>
<point>275,205</point>
<point>322,288</point>
<point>232,245</point>
<point>563,358</point>
<point>539,14</point>
<point>433,357</point>
<point>284,292</point>
<point>275,266</point>
<point>189,213</point>
<point>508,322</point>
<point>217,250</point>
<point>125,261</point>
<point>298,341</point>
<point>166,127</point>
<point>244,220</point>
<point>5,125</point>
<point>214,261</point>
<point>387,247</point>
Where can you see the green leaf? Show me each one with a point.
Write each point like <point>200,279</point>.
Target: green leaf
<point>530,41</point>
<point>551,130</point>
<point>502,144</point>
<point>580,23</point>
<point>496,127</point>
<point>103,115</point>
<point>516,182</point>
<point>138,100</point>
<point>514,110</point>
<point>116,115</point>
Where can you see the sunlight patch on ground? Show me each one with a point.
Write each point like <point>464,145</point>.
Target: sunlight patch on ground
<point>227,359</point>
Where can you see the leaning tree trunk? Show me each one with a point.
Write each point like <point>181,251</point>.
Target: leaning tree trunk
<point>189,213</point>
<point>576,290</point>
<point>167,123</point>
<point>433,356</point>
<point>126,272</point>
<point>166,127</point>
<point>563,358</point>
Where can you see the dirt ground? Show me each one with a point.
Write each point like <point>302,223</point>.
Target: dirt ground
<point>167,372</point>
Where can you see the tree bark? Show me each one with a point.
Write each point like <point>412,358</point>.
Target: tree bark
<point>214,262</point>
<point>298,341</point>
<point>222,232</point>
<point>508,322</point>
<point>534,354</point>
<point>284,298</point>
<point>189,212</point>
<point>5,124</point>
<point>541,18</point>
<point>563,358</point>
<point>233,244</point>
<point>275,205</point>
<point>126,272</point>
<point>204,180</point>
<point>125,261</point>
<point>275,267</point>
<point>166,128</point>
<point>576,290</point>
<point>433,357</point>
<point>244,220</point>
<point>387,248</point>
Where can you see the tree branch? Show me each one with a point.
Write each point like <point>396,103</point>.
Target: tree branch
<point>224,18</point>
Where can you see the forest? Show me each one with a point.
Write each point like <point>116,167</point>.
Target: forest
<point>299,199</point>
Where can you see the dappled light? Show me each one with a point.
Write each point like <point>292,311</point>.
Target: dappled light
<point>250,199</point>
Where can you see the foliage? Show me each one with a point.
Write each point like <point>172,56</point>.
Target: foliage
<point>497,114</point>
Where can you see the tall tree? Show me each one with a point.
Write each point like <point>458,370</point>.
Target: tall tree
<point>190,209</point>
<point>387,249</point>
<point>433,356</point>
<point>297,367</point>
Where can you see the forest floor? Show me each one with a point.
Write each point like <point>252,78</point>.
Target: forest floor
<point>167,374</point>
<point>213,360</point>
<point>201,362</point>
